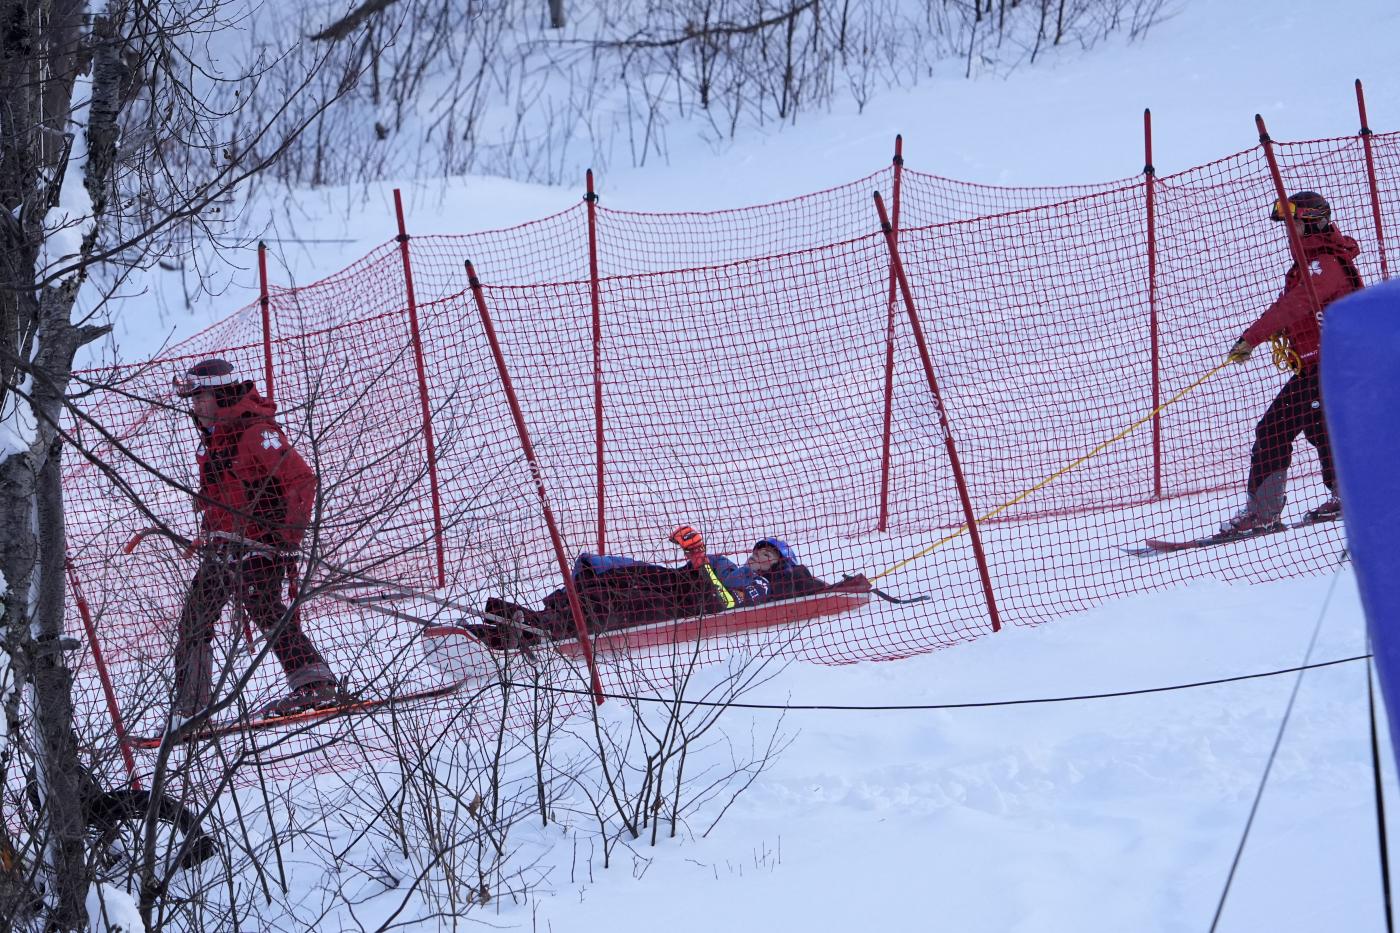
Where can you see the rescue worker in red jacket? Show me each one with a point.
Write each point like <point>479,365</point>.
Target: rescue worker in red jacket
<point>255,500</point>
<point>1294,325</point>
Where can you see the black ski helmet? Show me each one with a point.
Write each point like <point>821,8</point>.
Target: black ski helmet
<point>1309,207</point>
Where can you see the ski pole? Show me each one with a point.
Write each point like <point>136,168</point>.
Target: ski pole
<point>353,580</point>
<point>431,627</point>
<point>377,601</point>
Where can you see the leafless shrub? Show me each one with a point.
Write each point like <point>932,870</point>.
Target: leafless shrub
<point>660,755</point>
<point>498,87</point>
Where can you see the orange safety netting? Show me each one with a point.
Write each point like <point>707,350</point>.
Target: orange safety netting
<point>744,391</point>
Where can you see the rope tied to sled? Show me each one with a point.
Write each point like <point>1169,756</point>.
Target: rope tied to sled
<point>1025,494</point>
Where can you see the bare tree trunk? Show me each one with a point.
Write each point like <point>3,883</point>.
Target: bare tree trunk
<point>52,678</point>
<point>31,520</point>
<point>44,54</point>
<point>146,165</point>
<point>556,14</point>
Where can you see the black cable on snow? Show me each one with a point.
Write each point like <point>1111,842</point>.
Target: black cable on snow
<point>1380,800</point>
<point>1273,752</point>
<point>835,707</point>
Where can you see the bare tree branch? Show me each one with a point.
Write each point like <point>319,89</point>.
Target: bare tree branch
<point>352,20</point>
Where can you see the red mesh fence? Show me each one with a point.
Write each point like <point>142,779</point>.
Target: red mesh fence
<point>932,199</point>
<point>744,391</point>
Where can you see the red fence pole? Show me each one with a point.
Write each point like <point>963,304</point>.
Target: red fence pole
<point>1295,242</point>
<point>575,607</point>
<point>889,351</point>
<point>1150,187</point>
<point>117,726</point>
<point>265,303</point>
<point>591,198</point>
<point>426,410</point>
<point>1371,177</point>
<point>944,426</point>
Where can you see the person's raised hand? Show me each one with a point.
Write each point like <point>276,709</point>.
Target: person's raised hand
<point>1239,352</point>
<point>690,541</point>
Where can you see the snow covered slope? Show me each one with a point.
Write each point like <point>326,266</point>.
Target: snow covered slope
<point>1204,72</point>
<point>1094,815</point>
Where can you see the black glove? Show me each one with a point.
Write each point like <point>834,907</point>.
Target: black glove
<point>1239,352</point>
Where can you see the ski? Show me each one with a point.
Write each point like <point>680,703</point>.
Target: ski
<point>1307,521</point>
<point>722,591</point>
<point>215,730</point>
<point>1167,546</point>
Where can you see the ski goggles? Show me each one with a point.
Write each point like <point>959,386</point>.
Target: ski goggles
<point>1282,209</point>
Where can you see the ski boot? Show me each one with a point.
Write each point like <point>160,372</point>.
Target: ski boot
<point>1331,510</point>
<point>1248,522</point>
<point>514,626</point>
<point>321,694</point>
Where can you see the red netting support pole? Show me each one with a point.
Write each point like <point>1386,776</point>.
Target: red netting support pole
<point>426,410</point>
<point>889,352</point>
<point>575,606</point>
<point>591,198</point>
<point>117,725</point>
<point>265,303</point>
<point>1295,242</point>
<point>947,430</point>
<point>1371,178</point>
<point>1149,173</point>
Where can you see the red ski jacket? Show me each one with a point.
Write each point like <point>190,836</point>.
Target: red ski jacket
<point>251,482</point>
<point>1329,256</point>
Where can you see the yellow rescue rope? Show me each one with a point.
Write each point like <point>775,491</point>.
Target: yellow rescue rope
<point>1285,358</point>
<point>1058,473</point>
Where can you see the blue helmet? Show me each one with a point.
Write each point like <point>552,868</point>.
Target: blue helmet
<point>788,555</point>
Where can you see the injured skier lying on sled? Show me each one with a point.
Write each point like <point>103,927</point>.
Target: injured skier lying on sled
<point>620,592</point>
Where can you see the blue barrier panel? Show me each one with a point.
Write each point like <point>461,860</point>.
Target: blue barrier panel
<point>1361,399</point>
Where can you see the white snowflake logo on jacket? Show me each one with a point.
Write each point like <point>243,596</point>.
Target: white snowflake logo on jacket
<point>1315,267</point>
<point>271,441</point>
